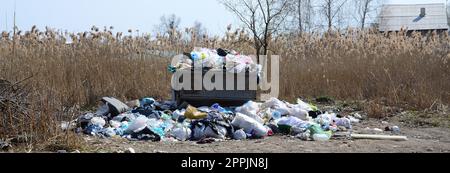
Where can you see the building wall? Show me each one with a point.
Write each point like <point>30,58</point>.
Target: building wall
<point>396,17</point>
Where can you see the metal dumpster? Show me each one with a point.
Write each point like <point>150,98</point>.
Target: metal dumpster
<point>226,97</point>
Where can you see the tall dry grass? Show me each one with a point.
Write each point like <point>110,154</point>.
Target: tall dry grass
<point>396,69</point>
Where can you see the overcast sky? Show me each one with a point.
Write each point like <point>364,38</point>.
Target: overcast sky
<point>80,15</point>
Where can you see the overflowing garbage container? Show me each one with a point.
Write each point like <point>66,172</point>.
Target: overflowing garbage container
<point>208,115</point>
<point>227,66</point>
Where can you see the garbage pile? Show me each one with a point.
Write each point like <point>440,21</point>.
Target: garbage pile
<point>150,120</point>
<point>220,59</point>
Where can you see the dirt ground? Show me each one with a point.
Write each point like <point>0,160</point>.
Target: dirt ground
<point>420,140</point>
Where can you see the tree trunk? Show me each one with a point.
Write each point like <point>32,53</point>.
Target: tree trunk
<point>300,20</point>
<point>330,16</point>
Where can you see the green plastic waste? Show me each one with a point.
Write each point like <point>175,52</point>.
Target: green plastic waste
<point>172,69</point>
<point>319,134</point>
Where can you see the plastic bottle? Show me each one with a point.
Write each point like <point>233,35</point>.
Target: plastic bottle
<point>121,130</point>
<point>276,115</point>
<point>319,134</point>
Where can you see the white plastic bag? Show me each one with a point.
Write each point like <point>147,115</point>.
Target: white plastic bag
<point>305,106</point>
<point>277,105</point>
<point>250,125</point>
<point>298,112</point>
<point>181,133</point>
<point>293,122</point>
<point>98,121</point>
<point>250,109</point>
<point>137,125</point>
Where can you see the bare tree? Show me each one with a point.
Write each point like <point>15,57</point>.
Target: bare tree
<point>303,15</point>
<point>300,15</point>
<point>364,8</point>
<point>331,9</point>
<point>198,29</point>
<point>169,26</point>
<point>263,18</point>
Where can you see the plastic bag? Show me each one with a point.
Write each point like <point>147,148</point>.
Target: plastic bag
<point>299,112</point>
<point>250,125</point>
<point>108,132</point>
<point>343,122</point>
<point>250,109</point>
<point>293,122</point>
<point>181,133</point>
<point>137,125</point>
<point>193,113</point>
<point>177,114</point>
<point>239,135</point>
<point>305,106</point>
<point>198,132</point>
<point>277,105</point>
<point>98,121</point>
<point>221,132</point>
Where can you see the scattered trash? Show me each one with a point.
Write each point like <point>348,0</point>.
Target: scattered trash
<point>353,120</point>
<point>93,130</point>
<point>206,141</point>
<point>76,151</point>
<point>4,146</point>
<point>151,120</point>
<point>306,135</point>
<point>318,133</point>
<point>61,151</point>
<point>201,58</point>
<point>373,130</point>
<point>108,132</point>
<point>393,129</point>
<point>130,150</point>
<point>287,125</point>
<point>379,137</point>
<point>68,125</point>
<point>357,116</point>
